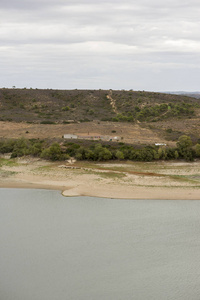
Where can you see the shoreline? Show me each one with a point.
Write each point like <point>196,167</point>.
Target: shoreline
<point>135,193</point>
<point>147,181</point>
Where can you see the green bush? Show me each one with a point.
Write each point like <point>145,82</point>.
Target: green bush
<point>119,155</point>
<point>21,148</point>
<point>6,146</point>
<point>65,108</point>
<point>54,153</point>
<point>197,150</point>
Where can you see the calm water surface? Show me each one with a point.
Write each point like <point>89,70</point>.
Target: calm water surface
<point>80,248</point>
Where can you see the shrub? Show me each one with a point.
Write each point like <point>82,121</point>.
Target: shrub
<point>53,152</point>
<point>65,108</point>
<point>169,130</point>
<point>6,146</point>
<point>197,150</point>
<point>21,148</point>
<point>119,155</point>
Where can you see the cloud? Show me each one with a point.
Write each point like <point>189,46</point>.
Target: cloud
<point>50,35</point>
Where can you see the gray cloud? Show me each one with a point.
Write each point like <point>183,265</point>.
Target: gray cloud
<point>94,44</point>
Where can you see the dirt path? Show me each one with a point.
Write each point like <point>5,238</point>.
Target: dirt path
<point>112,102</point>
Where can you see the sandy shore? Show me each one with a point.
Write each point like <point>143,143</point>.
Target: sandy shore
<point>158,180</point>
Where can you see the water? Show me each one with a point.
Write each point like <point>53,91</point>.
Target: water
<point>81,248</point>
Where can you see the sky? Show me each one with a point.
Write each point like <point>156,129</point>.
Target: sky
<point>150,45</point>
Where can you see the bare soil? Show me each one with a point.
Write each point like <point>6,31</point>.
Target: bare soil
<point>128,133</point>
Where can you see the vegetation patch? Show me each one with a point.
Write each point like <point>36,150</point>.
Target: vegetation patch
<point>4,174</point>
<point>34,105</point>
<point>100,152</point>
<point>8,162</point>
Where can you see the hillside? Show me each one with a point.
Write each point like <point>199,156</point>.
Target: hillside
<point>134,115</point>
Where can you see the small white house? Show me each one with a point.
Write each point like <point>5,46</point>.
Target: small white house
<point>160,144</point>
<point>70,136</point>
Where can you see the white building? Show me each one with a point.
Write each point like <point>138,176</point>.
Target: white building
<point>69,136</point>
<point>160,144</point>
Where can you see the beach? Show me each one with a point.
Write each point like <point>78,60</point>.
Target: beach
<point>127,180</point>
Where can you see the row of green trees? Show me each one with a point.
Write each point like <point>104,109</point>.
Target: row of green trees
<point>98,152</point>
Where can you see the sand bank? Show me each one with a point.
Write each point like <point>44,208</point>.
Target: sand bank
<point>158,180</point>
<point>111,191</point>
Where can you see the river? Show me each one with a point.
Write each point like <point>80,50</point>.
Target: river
<point>84,248</point>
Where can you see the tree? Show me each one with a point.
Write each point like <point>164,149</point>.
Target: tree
<point>176,154</point>
<point>6,146</point>
<point>21,148</point>
<point>197,150</point>
<point>184,142</point>
<point>162,153</point>
<point>119,155</point>
<point>36,149</point>
<point>101,153</point>
<point>184,145</point>
<point>53,152</point>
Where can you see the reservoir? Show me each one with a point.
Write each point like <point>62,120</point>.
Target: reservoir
<point>84,248</point>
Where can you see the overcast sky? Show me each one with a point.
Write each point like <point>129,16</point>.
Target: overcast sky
<point>148,45</point>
